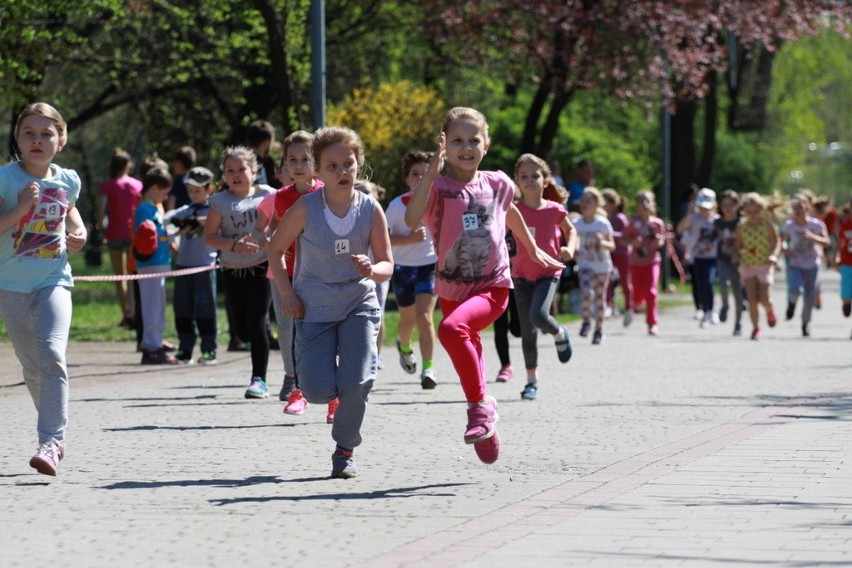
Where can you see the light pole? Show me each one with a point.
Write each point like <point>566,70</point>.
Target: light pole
<point>318,63</point>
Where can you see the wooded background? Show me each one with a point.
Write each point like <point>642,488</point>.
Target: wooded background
<point>760,92</point>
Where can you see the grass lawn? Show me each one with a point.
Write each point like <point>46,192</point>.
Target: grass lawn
<point>96,311</point>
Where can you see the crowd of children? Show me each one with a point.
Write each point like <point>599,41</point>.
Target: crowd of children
<point>321,252</point>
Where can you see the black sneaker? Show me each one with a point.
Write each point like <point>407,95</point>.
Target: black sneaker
<point>791,309</point>
<point>183,357</point>
<point>207,358</point>
<point>847,309</point>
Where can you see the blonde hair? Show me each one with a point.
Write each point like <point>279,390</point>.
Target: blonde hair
<point>331,135</point>
<point>469,114</point>
<point>46,111</point>
<point>651,198</point>
<point>612,196</point>
<point>754,198</point>
<point>243,153</point>
<point>596,193</point>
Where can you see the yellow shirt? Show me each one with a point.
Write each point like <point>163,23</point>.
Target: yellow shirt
<point>756,243</point>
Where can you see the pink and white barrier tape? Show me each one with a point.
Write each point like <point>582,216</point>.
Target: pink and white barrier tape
<point>117,277</point>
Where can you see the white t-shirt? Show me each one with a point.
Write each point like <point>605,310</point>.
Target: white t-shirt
<point>591,256</point>
<point>418,254</point>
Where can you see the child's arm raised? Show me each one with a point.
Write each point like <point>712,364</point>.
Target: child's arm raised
<point>290,227</point>
<point>420,198</point>
<point>515,223</point>
<point>27,199</point>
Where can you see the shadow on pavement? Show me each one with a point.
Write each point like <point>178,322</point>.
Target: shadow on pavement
<point>395,493</point>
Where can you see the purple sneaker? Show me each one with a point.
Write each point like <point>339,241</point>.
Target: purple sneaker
<point>488,450</point>
<point>47,457</point>
<point>481,419</point>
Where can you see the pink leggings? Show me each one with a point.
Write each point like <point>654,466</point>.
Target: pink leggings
<point>459,331</point>
<point>645,279</point>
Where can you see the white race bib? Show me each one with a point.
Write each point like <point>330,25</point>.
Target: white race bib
<point>470,222</point>
<point>341,246</point>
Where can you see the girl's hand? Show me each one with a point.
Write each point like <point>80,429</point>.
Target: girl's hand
<point>565,254</point>
<point>543,259</point>
<point>362,265</point>
<point>74,242</point>
<point>29,195</point>
<point>418,235</point>
<point>436,162</point>
<point>246,247</point>
<point>292,306</point>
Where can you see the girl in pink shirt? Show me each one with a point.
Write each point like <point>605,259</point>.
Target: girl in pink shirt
<point>535,285</point>
<point>467,212</point>
<point>646,234</point>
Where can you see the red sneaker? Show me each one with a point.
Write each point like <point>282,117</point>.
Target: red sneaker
<point>489,450</point>
<point>296,403</point>
<point>770,317</point>
<point>332,408</point>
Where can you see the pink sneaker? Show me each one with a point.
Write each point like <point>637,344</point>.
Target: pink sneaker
<point>481,418</point>
<point>332,408</point>
<point>296,403</point>
<point>47,458</point>
<point>488,450</point>
<point>505,375</point>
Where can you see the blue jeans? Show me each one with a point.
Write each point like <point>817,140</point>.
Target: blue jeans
<point>194,305</point>
<point>802,281</point>
<point>705,273</point>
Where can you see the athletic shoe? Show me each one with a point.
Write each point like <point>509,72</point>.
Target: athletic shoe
<point>506,373</point>
<point>770,317</point>
<point>699,314</point>
<point>488,450</point>
<point>598,337</point>
<point>296,403</point>
<point>169,347</point>
<point>47,457</point>
<point>756,334</point>
<point>563,345</point>
<point>738,330</point>
<point>530,391</point>
<point>818,301</point>
<point>481,419</point>
<point>705,320</point>
<point>791,309</point>
<point>806,330</point>
<point>184,357</point>
<point>207,358</point>
<point>427,379</point>
<point>257,388</point>
<point>653,330</point>
<point>380,362</point>
<point>723,314</point>
<point>343,465</point>
<point>158,357</point>
<point>407,361</point>
<point>628,317</point>
<point>332,408</point>
<point>714,319</point>
<point>847,309</point>
<point>288,387</point>
<point>585,329</point>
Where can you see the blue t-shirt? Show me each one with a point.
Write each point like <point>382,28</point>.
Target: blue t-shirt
<point>575,192</point>
<point>147,211</point>
<point>33,253</point>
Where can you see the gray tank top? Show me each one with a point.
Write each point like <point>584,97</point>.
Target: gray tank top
<point>239,218</point>
<point>325,280</point>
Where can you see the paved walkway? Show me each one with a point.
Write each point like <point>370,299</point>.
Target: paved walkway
<point>694,448</point>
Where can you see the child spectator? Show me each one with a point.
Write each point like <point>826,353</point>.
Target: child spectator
<point>468,212</point>
<point>260,137</point>
<point>333,295</point>
<point>757,243</point>
<point>803,239</point>
<point>194,298</point>
<point>614,207</point>
<point>727,257</point>
<point>844,256</point>
<point>152,254</point>
<point>594,235</point>
<point>231,227</point>
<point>413,276</point>
<point>119,197</point>
<point>535,285</point>
<point>37,209</point>
<point>183,160</point>
<point>646,234</point>
<point>701,248</point>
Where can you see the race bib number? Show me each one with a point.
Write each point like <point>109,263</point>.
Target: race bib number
<point>470,222</point>
<point>341,246</point>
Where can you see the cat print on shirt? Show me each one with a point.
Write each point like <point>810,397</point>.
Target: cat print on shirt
<point>467,258</point>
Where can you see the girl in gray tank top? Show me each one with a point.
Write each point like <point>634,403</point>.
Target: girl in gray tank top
<point>333,296</point>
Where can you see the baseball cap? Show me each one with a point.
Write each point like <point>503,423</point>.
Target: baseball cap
<point>706,198</point>
<point>198,176</point>
<point>145,243</point>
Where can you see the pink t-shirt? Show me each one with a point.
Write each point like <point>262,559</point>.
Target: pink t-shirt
<point>545,225</point>
<point>468,224</point>
<point>646,253</point>
<point>123,195</point>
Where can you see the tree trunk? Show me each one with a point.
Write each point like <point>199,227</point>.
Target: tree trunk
<point>683,154</point>
<point>708,149</point>
<point>551,123</point>
<point>280,75</point>
<point>528,142</point>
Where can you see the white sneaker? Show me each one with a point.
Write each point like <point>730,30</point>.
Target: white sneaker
<point>699,315</point>
<point>407,361</point>
<point>714,318</point>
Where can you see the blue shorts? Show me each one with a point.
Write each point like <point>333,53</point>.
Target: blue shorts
<point>846,281</point>
<point>409,281</point>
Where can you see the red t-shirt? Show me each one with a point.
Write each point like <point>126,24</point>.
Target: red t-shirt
<point>284,200</point>
<point>845,240</point>
<point>123,195</point>
<point>545,225</point>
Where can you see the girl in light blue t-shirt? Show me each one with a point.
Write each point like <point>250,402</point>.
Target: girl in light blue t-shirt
<point>39,226</point>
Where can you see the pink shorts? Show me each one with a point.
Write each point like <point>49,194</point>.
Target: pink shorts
<point>764,273</point>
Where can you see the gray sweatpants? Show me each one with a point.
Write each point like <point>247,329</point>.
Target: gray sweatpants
<point>322,379</point>
<point>38,324</point>
<point>152,295</point>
